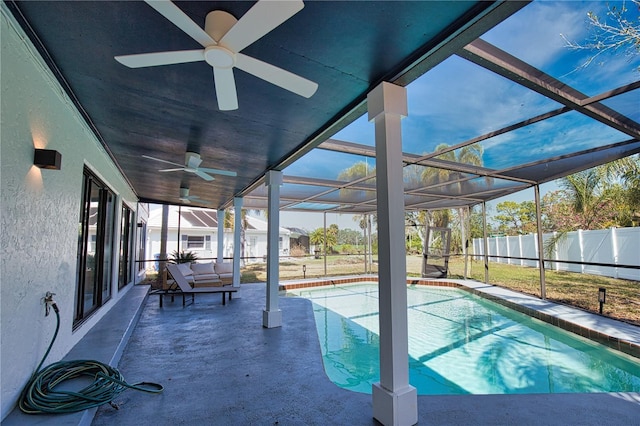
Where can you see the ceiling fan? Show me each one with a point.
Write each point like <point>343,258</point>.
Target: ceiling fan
<point>187,199</point>
<point>223,38</point>
<point>191,164</point>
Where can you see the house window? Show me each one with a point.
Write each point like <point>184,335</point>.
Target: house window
<point>127,233</point>
<point>95,247</point>
<point>279,243</point>
<point>193,242</point>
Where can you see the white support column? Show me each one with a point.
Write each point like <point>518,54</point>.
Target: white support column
<point>395,402</point>
<point>272,315</point>
<point>237,225</point>
<point>164,231</point>
<point>220,213</point>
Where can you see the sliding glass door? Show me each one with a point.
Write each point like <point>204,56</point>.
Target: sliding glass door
<point>127,239</point>
<point>95,246</point>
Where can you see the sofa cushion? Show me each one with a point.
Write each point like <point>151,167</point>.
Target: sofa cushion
<point>206,277</point>
<point>202,269</point>
<point>185,269</point>
<point>224,268</point>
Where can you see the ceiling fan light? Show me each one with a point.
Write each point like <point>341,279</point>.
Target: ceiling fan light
<point>219,57</point>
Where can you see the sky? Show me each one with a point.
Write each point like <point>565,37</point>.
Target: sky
<point>457,100</point>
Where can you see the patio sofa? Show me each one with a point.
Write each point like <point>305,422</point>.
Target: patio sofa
<point>192,279</point>
<point>210,274</point>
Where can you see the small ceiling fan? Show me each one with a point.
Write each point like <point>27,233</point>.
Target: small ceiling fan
<point>223,38</point>
<point>191,165</point>
<point>187,199</point>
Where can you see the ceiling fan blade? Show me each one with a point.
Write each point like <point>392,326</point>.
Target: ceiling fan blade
<point>174,14</point>
<point>203,175</point>
<point>172,170</point>
<point>160,58</point>
<point>263,17</point>
<point>163,161</point>
<point>225,89</point>
<point>274,75</point>
<point>218,171</point>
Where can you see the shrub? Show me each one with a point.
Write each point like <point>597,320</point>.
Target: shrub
<point>297,250</point>
<point>182,257</point>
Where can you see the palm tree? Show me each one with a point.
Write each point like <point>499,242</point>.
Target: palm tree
<point>317,237</point>
<point>582,188</point>
<point>470,154</point>
<point>357,171</point>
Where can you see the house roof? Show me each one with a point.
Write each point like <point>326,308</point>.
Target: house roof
<point>347,48</point>
<point>200,218</point>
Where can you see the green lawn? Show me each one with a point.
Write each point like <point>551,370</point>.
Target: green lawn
<point>580,290</point>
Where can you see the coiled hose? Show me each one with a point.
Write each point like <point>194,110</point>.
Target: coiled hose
<point>40,395</point>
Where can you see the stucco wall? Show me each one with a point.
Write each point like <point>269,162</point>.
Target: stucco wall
<point>39,210</point>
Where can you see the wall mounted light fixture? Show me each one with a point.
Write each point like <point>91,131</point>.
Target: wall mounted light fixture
<point>47,159</point>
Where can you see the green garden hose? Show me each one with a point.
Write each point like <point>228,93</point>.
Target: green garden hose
<point>40,395</point>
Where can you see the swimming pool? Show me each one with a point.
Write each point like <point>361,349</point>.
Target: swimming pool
<point>460,343</point>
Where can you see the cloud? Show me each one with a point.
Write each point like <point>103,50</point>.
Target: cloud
<point>561,135</point>
<point>324,164</point>
<point>533,34</point>
<point>459,100</point>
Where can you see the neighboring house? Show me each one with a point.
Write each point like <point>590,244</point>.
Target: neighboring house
<point>197,230</point>
<point>300,238</point>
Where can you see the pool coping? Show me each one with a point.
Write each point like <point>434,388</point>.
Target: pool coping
<point>615,334</point>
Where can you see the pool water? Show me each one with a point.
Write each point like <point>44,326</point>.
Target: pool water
<point>460,343</point>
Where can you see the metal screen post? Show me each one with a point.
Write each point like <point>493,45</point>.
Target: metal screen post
<point>543,289</point>
<point>485,245</point>
<point>465,248</point>
<point>324,248</point>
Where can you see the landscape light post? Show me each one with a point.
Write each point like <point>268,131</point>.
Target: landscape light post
<point>602,296</point>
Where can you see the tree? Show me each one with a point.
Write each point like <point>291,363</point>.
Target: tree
<point>349,236</point>
<point>317,237</point>
<point>611,33</point>
<point>596,198</point>
<point>591,203</point>
<point>469,154</point>
<point>516,218</point>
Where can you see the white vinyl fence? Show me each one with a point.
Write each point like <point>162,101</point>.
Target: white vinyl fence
<point>614,246</point>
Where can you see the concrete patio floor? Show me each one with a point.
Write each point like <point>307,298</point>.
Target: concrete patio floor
<point>219,366</point>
